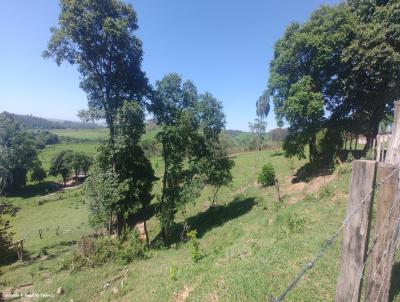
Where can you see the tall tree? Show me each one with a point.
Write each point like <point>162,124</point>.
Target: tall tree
<point>98,36</point>
<point>216,164</point>
<point>350,54</point>
<point>191,125</point>
<point>175,107</point>
<point>373,58</point>
<point>62,164</point>
<point>17,154</point>
<point>309,56</point>
<point>262,110</point>
<point>131,176</point>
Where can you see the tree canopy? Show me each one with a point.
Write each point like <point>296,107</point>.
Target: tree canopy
<point>17,154</point>
<point>98,37</point>
<point>346,57</point>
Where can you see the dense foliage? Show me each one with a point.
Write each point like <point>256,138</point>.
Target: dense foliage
<point>33,122</point>
<point>66,162</point>
<point>98,37</point>
<point>191,125</point>
<point>267,175</point>
<point>17,154</point>
<point>122,179</point>
<point>339,71</point>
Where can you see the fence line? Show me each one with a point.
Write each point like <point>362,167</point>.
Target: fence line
<point>328,243</point>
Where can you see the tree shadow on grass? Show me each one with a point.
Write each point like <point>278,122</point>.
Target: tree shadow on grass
<point>141,215</point>
<point>395,282</point>
<point>211,218</point>
<point>311,170</point>
<point>33,190</point>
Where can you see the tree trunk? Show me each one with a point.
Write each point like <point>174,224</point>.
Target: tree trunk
<point>215,196</point>
<point>313,147</point>
<point>355,148</point>
<point>120,223</point>
<point>109,225</point>
<point>145,226</point>
<point>351,141</point>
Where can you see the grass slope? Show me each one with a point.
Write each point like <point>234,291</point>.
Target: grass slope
<point>252,245</point>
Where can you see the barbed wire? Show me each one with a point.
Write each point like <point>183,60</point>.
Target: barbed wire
<point>377,236</point>
<point>328,243</point>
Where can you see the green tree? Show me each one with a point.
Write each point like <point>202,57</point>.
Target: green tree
<point>5,240</point>
<point>17,154</point>
<point>175,107</point>
<point>304,111</point>
<point>130,178</point>
<point>38,174</point>
<point>350,54</point>
<point>190,131</point>
<point>258,127</point>
<point>104,192</point>
<point>98,37</point>
<point>262,110</point>
<point>215,163</point>
<point>61,164</point>
<point>80,162</point>
<point>373,60</point>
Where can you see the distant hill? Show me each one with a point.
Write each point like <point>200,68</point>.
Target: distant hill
<point>33,122</point>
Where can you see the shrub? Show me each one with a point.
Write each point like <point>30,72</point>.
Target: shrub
<point>310,198</point>
<point>267,175</point>
<point>95,252</point>
<point>344,169</point>
<point>194,245</point>
<point>350,157</point>
<point>295,224</point>
<point>326,191</point>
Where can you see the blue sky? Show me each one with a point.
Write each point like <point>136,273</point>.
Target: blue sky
<point>223,46</point>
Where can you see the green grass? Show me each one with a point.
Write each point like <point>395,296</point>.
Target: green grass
<point>252,245</point>
<point>90,134</point>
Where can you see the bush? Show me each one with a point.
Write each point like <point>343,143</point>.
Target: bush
<point>194,246</point>
<point>326,191</point>
<point>350,157</point>
<point>344,169</point>
<point>95,252</point>
<point>267,175</point>
<point>296,224</point>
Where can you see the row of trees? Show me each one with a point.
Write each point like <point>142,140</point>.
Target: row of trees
<point>67,162</point>
<point>339,71</point>
<point>99,37</point>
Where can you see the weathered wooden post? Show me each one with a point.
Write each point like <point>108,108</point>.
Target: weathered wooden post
<point>393,152</point>
<point>378,148</point>
<point>386,229</point>
<point>277,189</point>
<point>356,232</point>
<point>378,280</point>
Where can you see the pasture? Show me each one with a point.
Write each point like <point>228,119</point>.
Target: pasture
<point>252,245</point>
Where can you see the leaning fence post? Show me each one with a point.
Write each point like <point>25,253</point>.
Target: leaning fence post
<point>393,152</point>
<point>378,149</point>
<point>381,259</point>
<point>356,232</point>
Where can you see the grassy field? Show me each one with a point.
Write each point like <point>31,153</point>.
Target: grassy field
<point>252,245</point>
<point>90,134</point>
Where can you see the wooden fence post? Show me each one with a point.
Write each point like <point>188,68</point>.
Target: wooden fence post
<point>380,267</point>
<point>380,263</point>
<point>393,152</point>
<point>356,232</point>
<point>378,148</point>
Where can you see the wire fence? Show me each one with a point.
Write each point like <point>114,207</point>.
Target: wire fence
<point>329,242</point>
